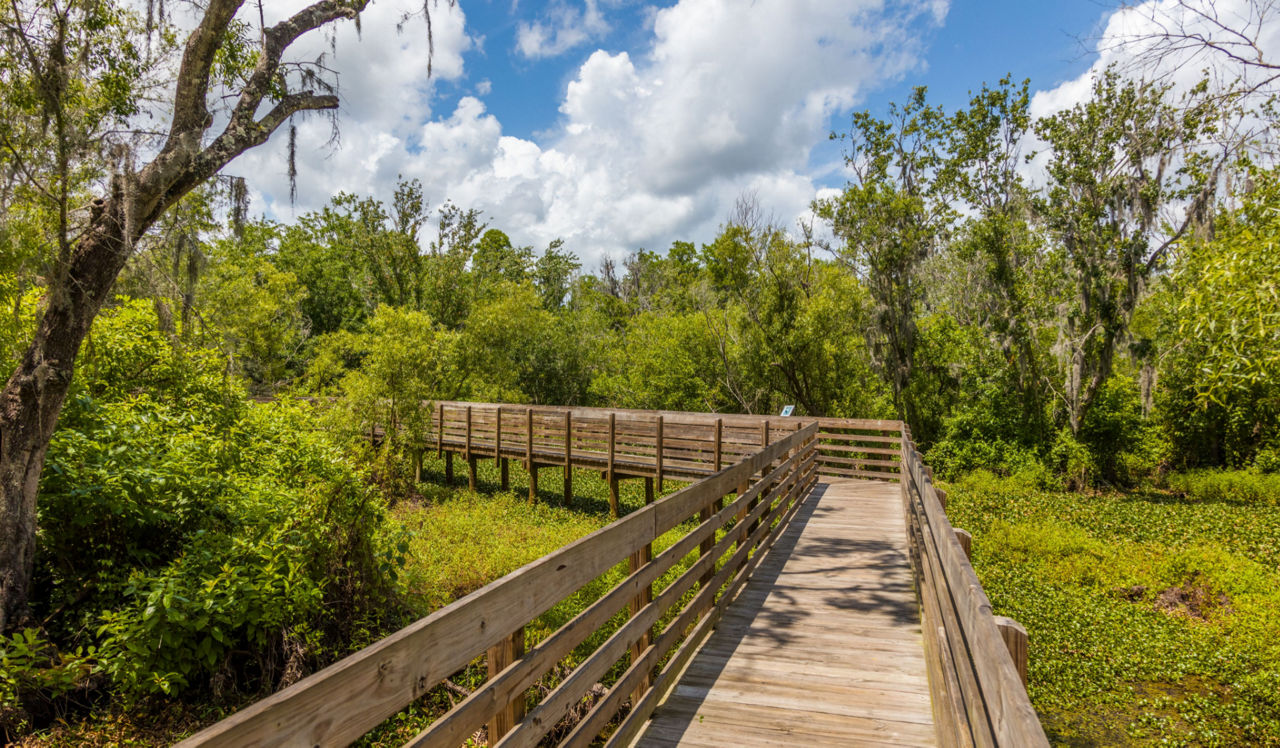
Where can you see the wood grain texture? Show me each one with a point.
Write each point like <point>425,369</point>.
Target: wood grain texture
<point>823,645</point>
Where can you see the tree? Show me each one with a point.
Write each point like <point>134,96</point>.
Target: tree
<point>998,243</point>
<point>1229,309</point>
<point>889,220</point>
<point>406,363</point>
<point>1119,164</point>
<point>553,274</point>
<point>78,64</point>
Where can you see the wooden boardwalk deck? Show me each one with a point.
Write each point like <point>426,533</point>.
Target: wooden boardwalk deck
<point>823,646</point>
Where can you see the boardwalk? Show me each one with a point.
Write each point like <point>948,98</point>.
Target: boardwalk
<point>823,646</point>
<point>799,621</point>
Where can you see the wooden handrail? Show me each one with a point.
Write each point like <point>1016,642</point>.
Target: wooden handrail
<point>342,702</point>
<point>977,688</point>
<point>658,444</point>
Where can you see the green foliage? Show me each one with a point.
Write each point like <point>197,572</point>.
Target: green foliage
<point>387,377</point>
<point>1230,301</point>
<point>255,307</point>
<point>126,354</point>
<point>666,362</point>
<point>198,542</point>
<point>1232,486</point>
<point>1153,618</point>
<point>31,667</point>
<point>518,351</point>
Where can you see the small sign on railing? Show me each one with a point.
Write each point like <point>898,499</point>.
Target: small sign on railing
<point>788,410</point>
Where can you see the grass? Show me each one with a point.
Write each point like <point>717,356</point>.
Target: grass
<point>1154,616</point>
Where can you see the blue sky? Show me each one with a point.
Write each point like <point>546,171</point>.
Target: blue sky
<point>980,40</point>
<point>616,124</point>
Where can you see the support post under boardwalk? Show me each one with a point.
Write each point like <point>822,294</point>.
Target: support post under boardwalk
<point>635,562</point>
<point>448,468</point>
<point>500,656</point>
<point>506,475</point>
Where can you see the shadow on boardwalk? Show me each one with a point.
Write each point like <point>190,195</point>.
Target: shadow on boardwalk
<point>837,579</point>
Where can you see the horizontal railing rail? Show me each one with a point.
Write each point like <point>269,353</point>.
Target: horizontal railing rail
<point>977,660</point>
<point>729,519</point>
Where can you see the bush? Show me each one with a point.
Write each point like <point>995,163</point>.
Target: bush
<point>222,548</point>
<point>1267,460</point>
<point>1073,460</point>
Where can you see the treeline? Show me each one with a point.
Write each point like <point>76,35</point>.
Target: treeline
<point>1102,315</point>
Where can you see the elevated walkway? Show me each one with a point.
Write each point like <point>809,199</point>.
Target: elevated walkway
<point>822,646</point>
<point>807,588</point>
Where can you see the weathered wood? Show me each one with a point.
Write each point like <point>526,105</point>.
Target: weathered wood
<point>568,458</point>
<point>497,439</point>
<point>500,657</point>
<point>448,468</point>
<point>1015,638</point>
<point>338,704</point>
<point>440,432</point>
<point>529,464</point>
<point>471,472</point>
<point>505,473</point>
<point>980,681</point>
<point>466,452</point>
<point>966,542</point>
<point>659,451</point>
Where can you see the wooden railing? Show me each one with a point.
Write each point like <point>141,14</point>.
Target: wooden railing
<point>648,444</point>
<point>977,661</point>
<point>751,501</point>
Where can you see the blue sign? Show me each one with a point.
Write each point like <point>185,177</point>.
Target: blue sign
<point>788,409</point>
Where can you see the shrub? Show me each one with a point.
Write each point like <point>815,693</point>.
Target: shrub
<point>1073,460</point>
<point>1267,460</point>
<point>219,548</point>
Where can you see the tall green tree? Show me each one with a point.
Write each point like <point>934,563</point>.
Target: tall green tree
<point>998,246</point>
<point>1120,164</point>
<point>891,217</point>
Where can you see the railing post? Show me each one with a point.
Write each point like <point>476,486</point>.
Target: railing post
<point>568,457</point>
<point>471,459</point>
<point>440,431</point>
<point>613,478</point>
<point>635,562</point>
<point>501,656</point>
<point>528,455</point>
<point>718,439</point>
<point>1015,638</point>
<point>658,452</point>
<point>497,437</point>
<point>966,541</point>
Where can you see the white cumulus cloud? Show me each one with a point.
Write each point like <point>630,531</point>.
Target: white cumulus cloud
<point>652,145</point>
